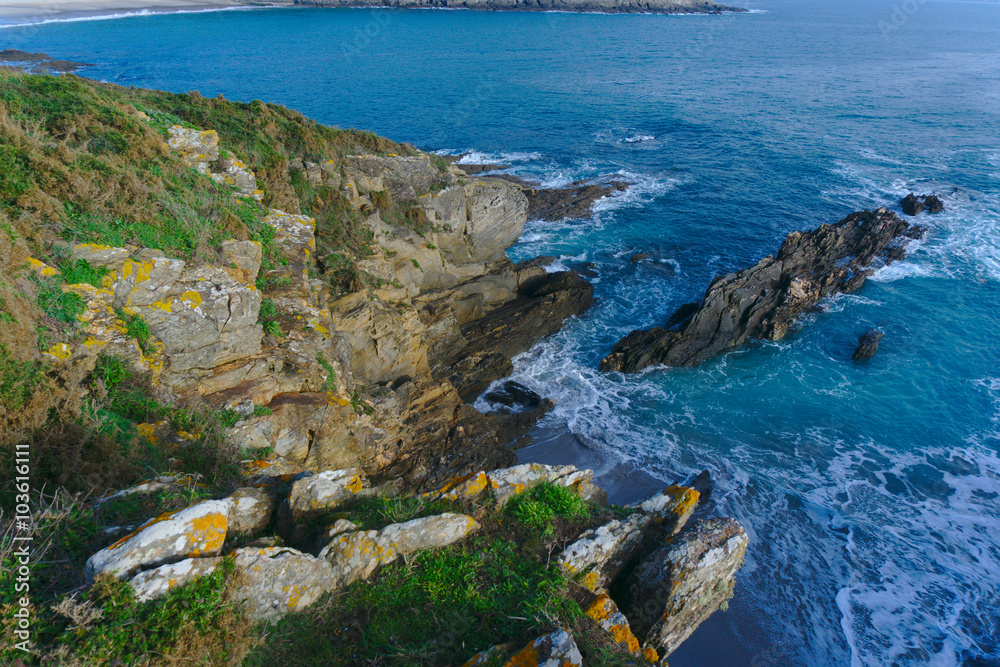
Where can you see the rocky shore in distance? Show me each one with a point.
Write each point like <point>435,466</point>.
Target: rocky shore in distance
<point>763,301</point>
<point>607,6</point>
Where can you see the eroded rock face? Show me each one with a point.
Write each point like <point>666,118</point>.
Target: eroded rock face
<point>604,610</point>
<point>199,530</point>
<point>681,584</point>
<point>671,507</point>
<point>763,301</point>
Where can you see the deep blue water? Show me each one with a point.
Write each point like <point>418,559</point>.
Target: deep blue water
<point>871,543</point>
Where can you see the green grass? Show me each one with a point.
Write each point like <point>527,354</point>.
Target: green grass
<point>19,380</point>
<point>439,608</point>
<point>330,383</point>
<point>268,318</point>
<point>135,327</point>
<point>80,271</point>
<point>537,508</point>
<point>61,306</point>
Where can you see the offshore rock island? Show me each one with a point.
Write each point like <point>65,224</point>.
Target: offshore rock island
<point>608,6</point>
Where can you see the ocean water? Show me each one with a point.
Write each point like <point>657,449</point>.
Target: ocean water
<point>871,492</point>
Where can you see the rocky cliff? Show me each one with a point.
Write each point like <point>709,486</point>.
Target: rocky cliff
<point>238,354</point>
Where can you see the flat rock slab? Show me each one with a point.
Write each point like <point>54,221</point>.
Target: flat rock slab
<point>325,491</point>
<point>159,581</point>
<point>277,580</point>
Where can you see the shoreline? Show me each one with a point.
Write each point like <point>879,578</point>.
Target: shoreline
<point>40,12</point>
<point>37,12</point>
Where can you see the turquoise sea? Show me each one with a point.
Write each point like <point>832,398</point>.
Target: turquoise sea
<point>871,492</point>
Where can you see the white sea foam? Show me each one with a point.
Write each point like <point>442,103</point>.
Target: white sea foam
<point>473,156</point>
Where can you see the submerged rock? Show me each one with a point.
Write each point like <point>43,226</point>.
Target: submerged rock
<point>684,582</point>
<point>763,301</point>
<point>867,345</point>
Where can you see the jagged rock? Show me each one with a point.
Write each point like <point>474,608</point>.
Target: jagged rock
<point>600,554</point>
<point>763,301</point>
<point>671,507</point>
<point>277,580</point>
<point>604,610</point>
<point>509,482</point>
<point>497,212</point>
<point>325,491</point>
<point>356,555</point>
<point>933,204</point>
<point>199,530</point>
<point>403,177</point>
<point>251,511</point>
<point>912,204</point>
<point>159,581</point>
<point>867,345</point>
<point>553,650</point>
<point>463,487</point>
<point>681,584</point>
<point>340,526</point>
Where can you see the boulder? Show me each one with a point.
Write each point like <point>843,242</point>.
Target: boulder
<point>867,345</point>
<point>199,530</point>
<point>933,204</point>
<point>573,201</point>
<point>276,580</point>
<point>326,491</point>
<point>514,393</point>
<point>762,302</point>
<point>681,584</point>
<point>355,555</point>
<point>671,507</point>
<point>600,554</point>
<point>159,581</point>
<point>252,508</point>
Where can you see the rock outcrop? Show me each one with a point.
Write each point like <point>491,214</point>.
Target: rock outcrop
<point>913,204</point>
<point>680,585</point>
<point>762,302</point>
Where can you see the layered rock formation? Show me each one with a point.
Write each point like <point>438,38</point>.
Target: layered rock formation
<point>762,302</point>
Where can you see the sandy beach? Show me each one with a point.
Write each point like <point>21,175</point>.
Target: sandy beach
<point>34,11</point>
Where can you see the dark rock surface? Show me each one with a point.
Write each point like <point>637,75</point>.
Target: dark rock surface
<point>514,393</point>
<point>38,63</point>
<point>574,201</point>
<point>763,301</point>
<point>913,204</point>
<point>867,345</point>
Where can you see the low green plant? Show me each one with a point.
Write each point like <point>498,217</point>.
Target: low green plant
<point>359,405</point>
<point>135,327</point>
<point>19,380</point>
<point>330,383</point>
<point>537,509</point>
<point>262,411</point>
<point>80,271</point>
<point>268,318</point>
<point>55,303</point>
